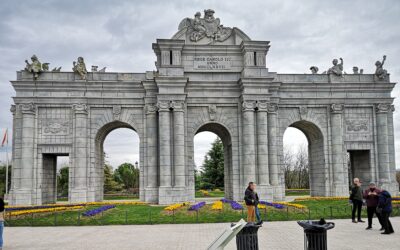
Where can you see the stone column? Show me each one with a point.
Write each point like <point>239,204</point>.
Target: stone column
<point>272,109</point>
<point>79,179</point>
<point>262,144</point>
<point>24,195</point>
<point>337,143</point>
<point>382,110</point>
<point>248,145</point>
<point>151,193</point>
<point>164,122</point>
<point>179,144</point>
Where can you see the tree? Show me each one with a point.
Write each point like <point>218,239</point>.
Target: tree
<point>109,183</point>
<point>3,178</point>
<point>296,168</point>
<point>62,181</point>
<point>212,175</point>
<point>127,175</point>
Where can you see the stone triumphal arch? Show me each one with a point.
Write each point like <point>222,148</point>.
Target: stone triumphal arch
<point>208,78</point>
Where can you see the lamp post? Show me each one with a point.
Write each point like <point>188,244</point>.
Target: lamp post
<point>137,164</point>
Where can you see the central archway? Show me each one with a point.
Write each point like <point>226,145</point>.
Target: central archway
<point>99,156</point>
<point>316,157</point>
<point>225,136</point>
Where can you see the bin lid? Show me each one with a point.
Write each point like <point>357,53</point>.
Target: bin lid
<point>320,225</point>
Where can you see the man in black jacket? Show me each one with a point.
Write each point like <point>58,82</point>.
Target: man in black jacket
<point>252,200</point>
<point>356,198</point>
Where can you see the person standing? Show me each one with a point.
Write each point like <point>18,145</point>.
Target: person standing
<point>1,221</point>
<point>251,199</point>
<point>357,199</point>
<point>372,199</point>
<point>385,208</point>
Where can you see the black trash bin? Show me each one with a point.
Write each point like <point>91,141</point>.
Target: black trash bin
<point>247,238</point>
<point>315,234</point>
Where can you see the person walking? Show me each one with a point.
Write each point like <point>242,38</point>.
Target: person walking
<point>385,209</point>
<point>1,221</point>
<point>251,199</point>
<point>372,199</point>
<point>356,198</point>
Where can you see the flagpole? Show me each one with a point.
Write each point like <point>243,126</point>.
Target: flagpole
<point>7,167</point>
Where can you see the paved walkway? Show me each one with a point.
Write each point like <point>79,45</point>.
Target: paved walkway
<point>273,235</point>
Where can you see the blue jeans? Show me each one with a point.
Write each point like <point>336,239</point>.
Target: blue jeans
<point>1,233</point>
<point>258,215</point>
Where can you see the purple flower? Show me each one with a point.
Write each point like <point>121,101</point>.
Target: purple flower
<point>41,207</point>
<point>234,204</point>
<point>197,206</point>
<point>278,206</point>
<point>98,210</point>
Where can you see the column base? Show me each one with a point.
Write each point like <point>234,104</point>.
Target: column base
<point>21,197</point>
<point>340,189</point>
<point>151,194</point>
<point>265,192</point>
<point>279,193</point>
<point>170,195</point>
<point>78,195</point>
<point>391,187</point>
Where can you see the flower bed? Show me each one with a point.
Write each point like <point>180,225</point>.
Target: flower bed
<point>96,211</point>
<point>97,203</point>
<point>288,204</point>
<point>275,205</point>
<point>334,198</point>
<point>44,210</point>
<point>175,206</point>
<point>234,204</point>
<point>197,206</point>
<point>21,208</point>
<point>217,205</point>
<point>204,192</point>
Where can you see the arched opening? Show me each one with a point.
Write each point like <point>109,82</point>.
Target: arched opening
<point>117,163</point>
<point>304,159</point>
<point>216,139</point>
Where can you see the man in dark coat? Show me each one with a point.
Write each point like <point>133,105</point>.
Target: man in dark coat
<point>357,199</point>
<point>371,198</point>
<point>385,208</point>
<point>251,199</point>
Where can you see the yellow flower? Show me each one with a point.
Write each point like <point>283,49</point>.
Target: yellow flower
<point>44,210</point>
<point>262,206</point>
<point>299,206</point>
<point>176,206</point>
<point>217,205</point>
<point>333,198</point>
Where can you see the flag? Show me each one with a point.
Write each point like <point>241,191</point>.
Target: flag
<point>5,138</point>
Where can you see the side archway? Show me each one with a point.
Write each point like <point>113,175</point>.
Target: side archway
<point>318,172</point>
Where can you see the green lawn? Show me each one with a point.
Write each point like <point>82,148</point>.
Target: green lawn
<point>297,192</point>
<point>144,214</point>
<point>221,194</point>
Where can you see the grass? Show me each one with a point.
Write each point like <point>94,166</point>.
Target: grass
<point>221,194</point>
<point>297,192</point>
<point>145,214</point>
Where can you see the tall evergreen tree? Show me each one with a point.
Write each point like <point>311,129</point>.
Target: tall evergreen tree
<point>212,175</point>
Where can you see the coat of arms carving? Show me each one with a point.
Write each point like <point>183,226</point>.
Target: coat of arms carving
<point>208,26</point>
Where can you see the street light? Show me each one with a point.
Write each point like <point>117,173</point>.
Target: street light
<point>137,164</point>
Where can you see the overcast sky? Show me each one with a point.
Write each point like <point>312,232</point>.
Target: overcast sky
<point>119,34</point>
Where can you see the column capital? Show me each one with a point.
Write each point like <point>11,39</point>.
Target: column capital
<point>262,106</point>
<point>383,107</point>
<point>163,106</point>
<point>13,109</point>
<point>337,108</point>
<point>80,108</point>
<point>150,109</point>
<point>272,108</point>
<point>28,108</point>
<point>248,106</point>
<point>178,106</point>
